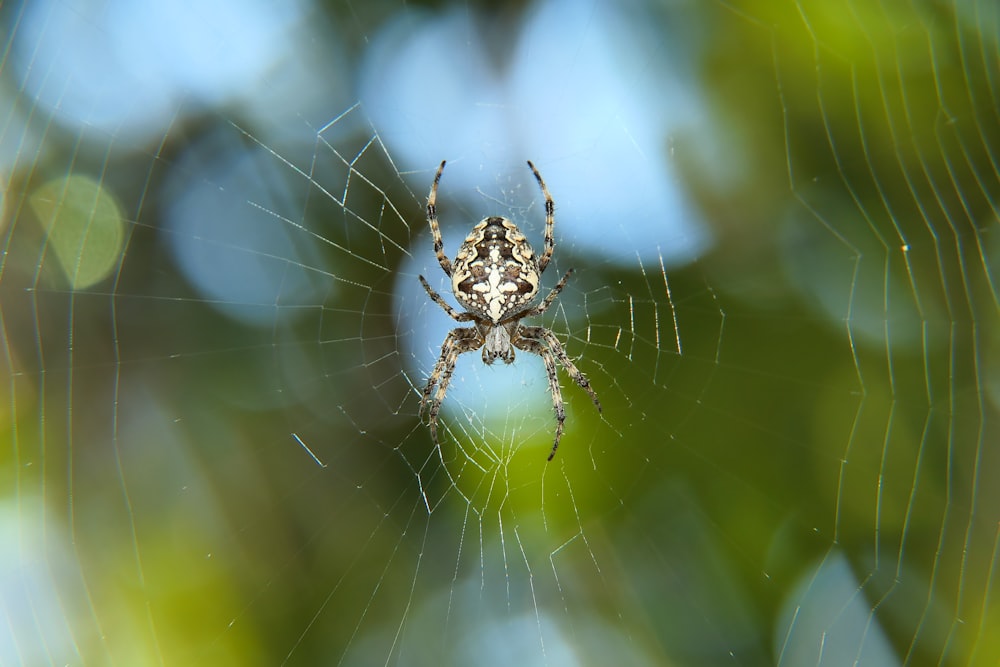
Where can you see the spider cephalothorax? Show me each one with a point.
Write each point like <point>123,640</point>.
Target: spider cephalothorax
<point>495,277</point>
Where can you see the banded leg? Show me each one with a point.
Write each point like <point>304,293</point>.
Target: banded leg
<point>457,341</point>
<point>556,348</point>
<point>454,314</point>
<point>537,347</point>
<point>550,222</point>
<point>432,220</point>
<point>544,305</point>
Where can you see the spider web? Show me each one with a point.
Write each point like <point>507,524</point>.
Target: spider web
<point>782,220</point>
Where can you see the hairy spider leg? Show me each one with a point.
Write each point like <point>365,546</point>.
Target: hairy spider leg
<point>550,222</point>
<point>432,220</point>
<point>544,343</point>
<point>544,305</point>
<point>458,341</point>
<point>439,300</point>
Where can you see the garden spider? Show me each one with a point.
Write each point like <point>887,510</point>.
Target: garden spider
<point>495,279</point>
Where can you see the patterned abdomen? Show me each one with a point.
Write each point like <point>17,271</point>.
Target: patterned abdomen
<point>495,274</point>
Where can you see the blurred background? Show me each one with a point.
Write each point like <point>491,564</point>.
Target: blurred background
<point>783,219</point>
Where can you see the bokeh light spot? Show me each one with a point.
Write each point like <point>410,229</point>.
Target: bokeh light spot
<point>83,222</point>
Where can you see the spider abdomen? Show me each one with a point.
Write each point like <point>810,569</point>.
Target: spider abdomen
<point>495,273</point>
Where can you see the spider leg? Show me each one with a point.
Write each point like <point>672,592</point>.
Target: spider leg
<point>454,314</point>
<point>544,305</point>
<point>537,347</point>
<point>432,380</point>
<point>432,220</point>
<point>556,348</point>
<point>550,222</point>
<point>458,341</point>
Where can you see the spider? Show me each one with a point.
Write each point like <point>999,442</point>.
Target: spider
<point>495,278</point>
